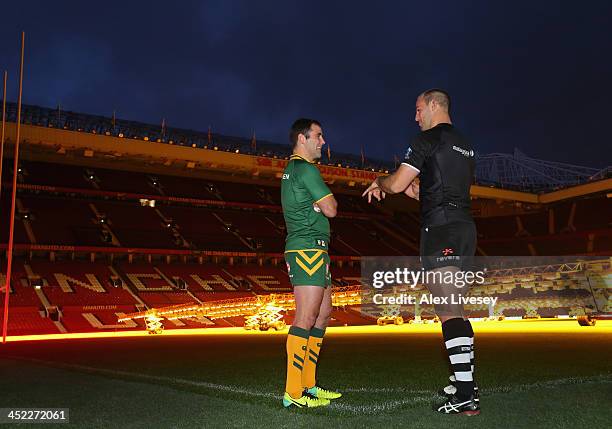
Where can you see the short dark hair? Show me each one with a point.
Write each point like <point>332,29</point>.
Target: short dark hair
<point>440,96</point>
<point>301,126</point>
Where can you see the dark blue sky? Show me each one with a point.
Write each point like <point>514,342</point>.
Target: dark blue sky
<point>534,75</point>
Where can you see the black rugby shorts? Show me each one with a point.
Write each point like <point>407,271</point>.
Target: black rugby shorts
<point>452,244</point>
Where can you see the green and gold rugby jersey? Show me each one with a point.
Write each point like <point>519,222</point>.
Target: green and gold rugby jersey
<point>301,187</point>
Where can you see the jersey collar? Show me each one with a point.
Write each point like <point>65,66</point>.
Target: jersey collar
<point>296,156</point>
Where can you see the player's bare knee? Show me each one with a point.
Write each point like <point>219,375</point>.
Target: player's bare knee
<point>306,321</point>
<point>323,319</point>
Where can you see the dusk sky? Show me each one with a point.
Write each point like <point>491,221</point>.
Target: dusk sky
<point>535,75</point>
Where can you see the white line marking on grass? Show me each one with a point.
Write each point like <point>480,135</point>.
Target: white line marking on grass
<point>386,390</point>
<point>428,396</point>
<point>383,406</point>
<point>604,378</point>
<point>148,377</point>
<point>419,396</point>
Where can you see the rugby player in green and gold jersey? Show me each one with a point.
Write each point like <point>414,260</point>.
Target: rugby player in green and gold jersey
<point>307,205</point>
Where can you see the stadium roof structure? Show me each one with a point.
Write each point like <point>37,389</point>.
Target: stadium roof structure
<point>515,171</point>
<point>518,171</point>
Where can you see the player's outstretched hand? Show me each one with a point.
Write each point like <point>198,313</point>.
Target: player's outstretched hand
<point>377,193</point>
<point>373,189</point>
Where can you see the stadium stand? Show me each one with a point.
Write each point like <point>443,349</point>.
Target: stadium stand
<point>82,225</point>
<point>204,229</point>
<point>22,294</point>
<point>20,231</point>
<point>79,284</point>
<point>61,221</point>
<point>136,226</point>
<point>42,173</point>
<point>29,321</point>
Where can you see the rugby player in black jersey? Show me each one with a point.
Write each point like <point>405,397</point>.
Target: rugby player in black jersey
<point>443,160</point>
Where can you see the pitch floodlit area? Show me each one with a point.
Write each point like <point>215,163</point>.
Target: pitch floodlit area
<point>543,374</point>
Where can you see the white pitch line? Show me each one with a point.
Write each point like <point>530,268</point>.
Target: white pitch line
<point>606,378</point>
<point>419,396</point>
<point>386,390</point>
<point>602,378</point>
<point>422,397</point>
<point>148,377</point>
<point>384,406</point>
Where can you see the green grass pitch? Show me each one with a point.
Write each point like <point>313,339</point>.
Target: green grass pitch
<point>539,380</point>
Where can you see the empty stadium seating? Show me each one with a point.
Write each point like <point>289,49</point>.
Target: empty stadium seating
<point>242,224</point>
<point>28,321</point>
<point>79,284</point>
<point>535,223</point>
<point>262,228</point>
<point>87,302</point>
<point>43,173</point>
<point>22,294</point>
<point>20,233</point>
<point>204,229</point>
<point>136,226</point>
<point>593,213</point>
<point>62,221</point>
<point>92,320</point>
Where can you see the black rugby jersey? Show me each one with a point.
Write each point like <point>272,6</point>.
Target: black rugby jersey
<point>445,160</point>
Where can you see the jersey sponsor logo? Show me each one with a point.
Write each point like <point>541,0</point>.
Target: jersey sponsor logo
<point>464,152</point>
<point>408,152</point>
<point>448,258</point>
<point>321,243</point>
<point>448,251</point>
<point>285,176</point>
